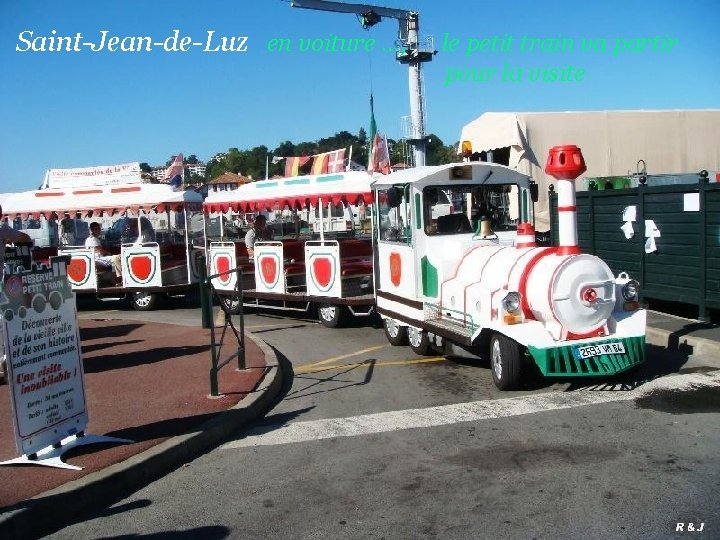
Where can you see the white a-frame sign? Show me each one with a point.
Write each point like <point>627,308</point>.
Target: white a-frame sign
<point>44,365</point>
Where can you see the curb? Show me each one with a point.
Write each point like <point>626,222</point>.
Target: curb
<point>50,511</point>
<point>667,340</point>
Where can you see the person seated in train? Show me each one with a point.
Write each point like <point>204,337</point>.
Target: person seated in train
<point>103,258</point>
<point>255,233</point>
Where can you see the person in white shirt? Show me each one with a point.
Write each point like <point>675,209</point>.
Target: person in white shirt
<point>102,256</point>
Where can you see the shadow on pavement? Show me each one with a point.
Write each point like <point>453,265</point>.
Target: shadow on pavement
<point>132,359</point>
<point>106,345</point>
<point>109,331</point>
<point>335,378</point>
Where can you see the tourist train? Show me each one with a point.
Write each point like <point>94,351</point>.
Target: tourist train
<point>452,266</point>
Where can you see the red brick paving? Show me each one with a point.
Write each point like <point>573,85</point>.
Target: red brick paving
<point>144,381</point>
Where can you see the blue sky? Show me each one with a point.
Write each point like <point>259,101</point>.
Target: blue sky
<point>76,109</point>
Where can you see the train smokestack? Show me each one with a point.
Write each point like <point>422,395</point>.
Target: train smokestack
<point>565,163</point>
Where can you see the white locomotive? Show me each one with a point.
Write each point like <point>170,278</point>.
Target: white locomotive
<point>473,277</point>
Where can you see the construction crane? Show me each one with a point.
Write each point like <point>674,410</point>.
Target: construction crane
<point>408,52</point>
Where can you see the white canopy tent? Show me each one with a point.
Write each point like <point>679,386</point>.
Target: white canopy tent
<point>612,142</point>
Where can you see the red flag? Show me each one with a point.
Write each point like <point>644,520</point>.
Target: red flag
<point>380,156</point>
<point>293,164</point>
<point>320,164</point>
<point>336,161</point>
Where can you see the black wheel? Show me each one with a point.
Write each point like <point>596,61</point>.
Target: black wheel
<point>143,301</point>
<point>231,304</point>
<point>331,315</point>
<point>395,334</point>
<point>505,359</point>
<point>419,341</point>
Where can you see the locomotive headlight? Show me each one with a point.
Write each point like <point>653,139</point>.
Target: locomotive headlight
<point>511,302</point>
<point>630,290</point>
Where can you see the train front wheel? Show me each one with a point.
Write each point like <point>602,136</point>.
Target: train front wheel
<point>419,341</point>
<point>505,360</point>
<point>395,334</point>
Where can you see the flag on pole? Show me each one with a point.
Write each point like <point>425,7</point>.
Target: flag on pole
<point>336,161</point>
<point>175,172</point>
<point>380,161</point>
<point>293,164</point>
<point>320,164</point>
<point>378,157</point>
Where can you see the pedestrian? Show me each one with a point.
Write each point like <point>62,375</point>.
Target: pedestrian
<point>255,233</point>
<point>67,230</point>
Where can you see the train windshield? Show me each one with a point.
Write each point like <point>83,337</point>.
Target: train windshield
<point>461,209</point>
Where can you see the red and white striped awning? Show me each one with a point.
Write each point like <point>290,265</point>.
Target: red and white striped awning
<point>297,192</point>
<point>99,200</point>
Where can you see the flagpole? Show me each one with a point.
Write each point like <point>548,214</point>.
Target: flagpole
<point>267,166</point>
<point>349,159</point>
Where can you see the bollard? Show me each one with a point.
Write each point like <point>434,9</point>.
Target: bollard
<point>205,301</point>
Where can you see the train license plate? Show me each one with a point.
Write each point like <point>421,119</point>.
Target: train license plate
<point>588,351</point>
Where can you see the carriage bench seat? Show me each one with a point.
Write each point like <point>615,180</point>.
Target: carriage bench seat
<point>357,268</point>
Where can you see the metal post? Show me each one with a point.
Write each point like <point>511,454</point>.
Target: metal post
<point>241,300</point>
<point>214,356</point>
<point>703,313</point>
<point>205,300</point>
<point>641,243</point>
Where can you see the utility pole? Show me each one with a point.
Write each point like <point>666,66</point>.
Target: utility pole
<point>409,52</point>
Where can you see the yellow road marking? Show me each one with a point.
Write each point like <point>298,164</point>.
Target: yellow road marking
<point>314,368</point>
<point>344,356</point>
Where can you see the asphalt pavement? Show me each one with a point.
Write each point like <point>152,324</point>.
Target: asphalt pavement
<point>148,382</point>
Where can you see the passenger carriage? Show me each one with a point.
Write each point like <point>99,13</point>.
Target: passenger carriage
<point>325,264</point>
<point>146,225</point>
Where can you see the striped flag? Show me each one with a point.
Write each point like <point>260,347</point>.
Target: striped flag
<point>336,161</point>
<point>320,164</point>
<point>293,164</point>
<point>380,161</point>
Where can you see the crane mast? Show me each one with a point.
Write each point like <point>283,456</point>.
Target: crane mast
<point>409,53</point>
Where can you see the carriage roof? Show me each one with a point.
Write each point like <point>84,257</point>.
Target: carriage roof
<point>99,199</point>
<point>348,187</point>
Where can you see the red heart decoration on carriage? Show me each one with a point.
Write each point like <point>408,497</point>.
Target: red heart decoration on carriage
<point>77,270</point>
<point>222,267</point>
<point>141,266</point>
<point>322,270</point>
<point>268,270</point>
